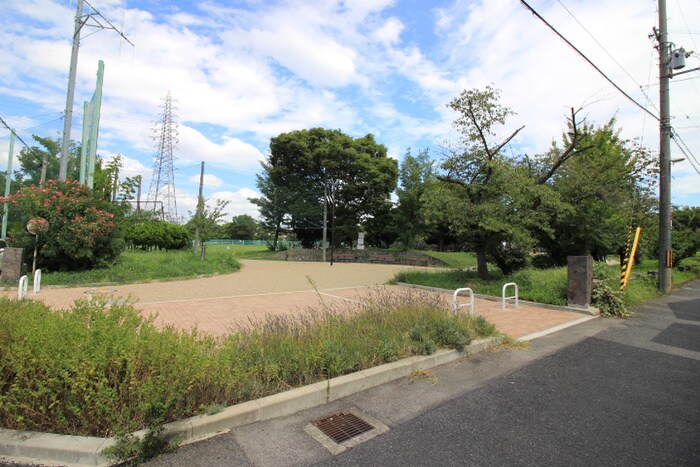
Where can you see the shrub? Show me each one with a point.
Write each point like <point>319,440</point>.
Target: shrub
<point>82,232</point>
<point>157,234</point>
<point>609,301</point>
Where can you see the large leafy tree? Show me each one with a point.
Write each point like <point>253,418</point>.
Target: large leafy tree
<point>476,200</point>
<point>307,169</point>
<point>492,203</point>
<point>414,175</point>
<point>243,227</point>
<point>602,193</point>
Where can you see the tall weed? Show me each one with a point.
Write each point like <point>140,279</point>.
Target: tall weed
<point>101,370</point>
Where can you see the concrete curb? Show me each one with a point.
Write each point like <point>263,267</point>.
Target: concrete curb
<point>48,448</point>
<point>590,311</point>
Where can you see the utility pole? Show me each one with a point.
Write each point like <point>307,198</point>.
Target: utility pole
<point>8,180</point>
<point>81,20</point>
<point>671,59</point>
<point>68,116</point>
<point>325,217</point>
<point>665,251</point>
<point>138,195</point>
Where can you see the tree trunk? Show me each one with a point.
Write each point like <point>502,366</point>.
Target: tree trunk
<point>482,269</point>
<point>277,236</point>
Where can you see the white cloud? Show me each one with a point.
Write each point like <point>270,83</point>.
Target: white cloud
<point>194,147</point>
<point>314,57</point>
<point>210,181</point>
<point>238,202</point>
<point>390,32</point>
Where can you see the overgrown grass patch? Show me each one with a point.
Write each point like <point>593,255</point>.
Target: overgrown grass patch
<point>550,285</point>
<point>538,285</point>
<point>144,266</point>
<point>99,371</point>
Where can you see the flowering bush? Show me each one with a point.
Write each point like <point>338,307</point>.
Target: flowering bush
<point>81,228</point>
<point>37,225</point>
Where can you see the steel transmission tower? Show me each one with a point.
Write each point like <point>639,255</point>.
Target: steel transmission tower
<point>162,191</point>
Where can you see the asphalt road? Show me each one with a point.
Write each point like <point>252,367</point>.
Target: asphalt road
<point>606,392</point>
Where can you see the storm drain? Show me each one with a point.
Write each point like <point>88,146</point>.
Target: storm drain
<point>342,426</point>
<point>343,430</point>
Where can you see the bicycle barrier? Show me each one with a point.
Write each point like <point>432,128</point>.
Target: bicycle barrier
<point>455,300</point>
<point>504,297</point>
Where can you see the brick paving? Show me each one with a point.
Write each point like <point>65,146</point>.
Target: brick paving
<point>220,304</point>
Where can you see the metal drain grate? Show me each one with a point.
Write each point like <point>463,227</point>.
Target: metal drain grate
<point>342,426</point>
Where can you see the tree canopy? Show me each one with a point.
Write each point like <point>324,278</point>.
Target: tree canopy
<point>307,169</point>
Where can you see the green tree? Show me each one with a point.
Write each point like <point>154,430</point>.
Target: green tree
<point>205,223</point>
<point>492,203</point>
<point>415,173</point>
<point>243,227</point>
<point>476,201</point>
<point>273,204</point>
<point>44,159</point>
<point>602,193</point>
<point>686,232</point>
<point>352,177</point>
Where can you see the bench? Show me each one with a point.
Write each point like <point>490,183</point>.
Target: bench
<point>381,259</point>
<point>343,257</point>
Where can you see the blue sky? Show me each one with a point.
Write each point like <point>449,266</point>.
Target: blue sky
<point>244,71</point>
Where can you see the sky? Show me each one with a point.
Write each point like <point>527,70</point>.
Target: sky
<point>243,71</point>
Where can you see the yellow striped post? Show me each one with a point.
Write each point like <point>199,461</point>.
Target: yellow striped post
<point>630,262</point>
<point>625,259</point>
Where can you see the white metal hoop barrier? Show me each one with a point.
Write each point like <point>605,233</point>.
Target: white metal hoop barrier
<point>504,297</point>
<point>37,281</point>
<point>455,301</point>
<point>22,289</point>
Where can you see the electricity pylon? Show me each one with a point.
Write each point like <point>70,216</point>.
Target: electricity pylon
<point>162,191</point>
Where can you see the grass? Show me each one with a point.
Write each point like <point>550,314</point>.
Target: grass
<point>550,285</point>
<point>538,285</point>
<point>245,251</point>
<point>157,265</point>
<point>99,371</point>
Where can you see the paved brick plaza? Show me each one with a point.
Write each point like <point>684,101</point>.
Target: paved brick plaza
<point>220,304</point>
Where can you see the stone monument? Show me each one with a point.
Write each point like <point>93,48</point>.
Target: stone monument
<point>580,270</point>
<point>11,264</point>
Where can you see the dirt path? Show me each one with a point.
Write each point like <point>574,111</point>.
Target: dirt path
<point>256,277</point>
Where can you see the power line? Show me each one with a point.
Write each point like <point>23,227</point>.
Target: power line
<point>608,54</point>
<point>14,133</point>
<point>630,98</point>
<point>685,150</point>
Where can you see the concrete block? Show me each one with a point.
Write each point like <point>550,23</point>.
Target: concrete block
<point>347,385</point>
<point>295,400</point>
<point>237,415</point>
<point>67,449</point>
